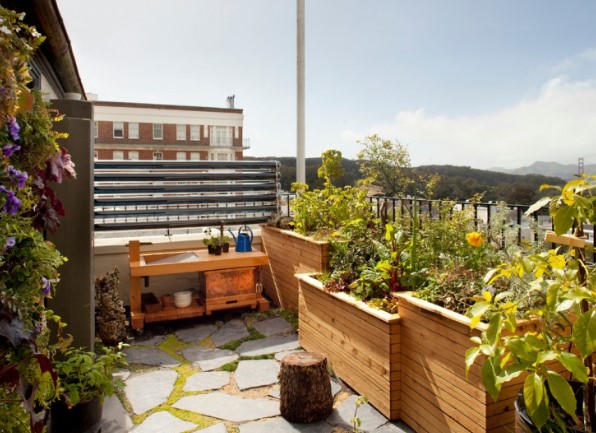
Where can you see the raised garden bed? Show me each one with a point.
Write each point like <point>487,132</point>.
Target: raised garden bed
<point>436,394</point>
<point>289,253</point>
<point>362,344</point>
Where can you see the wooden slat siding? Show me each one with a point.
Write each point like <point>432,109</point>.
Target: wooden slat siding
<point>363,349</point>
<point>153,194</point>
<point>289,254</point>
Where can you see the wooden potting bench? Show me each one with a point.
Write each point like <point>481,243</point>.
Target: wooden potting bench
<point>227,281</point>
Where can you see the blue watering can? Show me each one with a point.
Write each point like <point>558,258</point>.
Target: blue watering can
<point>244,240</point>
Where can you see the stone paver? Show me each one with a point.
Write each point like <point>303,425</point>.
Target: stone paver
<point>280,425</point>
<point>275,326</point>
<point>195,334</point>
<point>229,407</point>
<point>156,340</point>
<point>145,391</point>
<point>160,422</point>
<point>397,427</point>
<point>369,416</point>
<point>149,356</point>
<point>233,330</point>
<point>268,345</point>
<point>207,381</point>
<point>217,428</point>
<point>208,359</point>
<point>114,419</point>
<point>252,374</point>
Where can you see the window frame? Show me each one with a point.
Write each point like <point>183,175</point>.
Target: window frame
<point>180,132</point>
<point>115,128</point>
<point>130,135</point>
<point>195,132</point>
<point>158,126</point>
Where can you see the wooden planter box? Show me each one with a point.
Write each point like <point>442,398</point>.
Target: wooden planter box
<point>289,253</point>
<point>362,344</point>
<point>436,395</point>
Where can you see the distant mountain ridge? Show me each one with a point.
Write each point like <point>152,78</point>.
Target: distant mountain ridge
<point>554,169</point>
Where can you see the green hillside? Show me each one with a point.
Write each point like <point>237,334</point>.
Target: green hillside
<point>456,182</point>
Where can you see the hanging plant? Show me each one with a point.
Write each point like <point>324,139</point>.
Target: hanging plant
<point>30,158</point>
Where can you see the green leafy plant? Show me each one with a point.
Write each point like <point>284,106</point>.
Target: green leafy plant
<point>455,252</point>
<point>565,321</point>
<point>30,160</point>
<point>322,212</point>
<point>355,420</point>
<point>84,375</point>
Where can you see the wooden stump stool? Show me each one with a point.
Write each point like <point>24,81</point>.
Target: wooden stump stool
<point>305,389</point>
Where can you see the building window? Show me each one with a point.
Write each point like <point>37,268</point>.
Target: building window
<point>157,156</point>
<point>181,156</point>
<point>157,131</point>
<point>181,132</point>
<point>118,155</point>
<point>195,132</point>
<point>133,130</point>
<point>222,135</point>
<point>118,129</point>
<point>195,156</point>
<point>220,156</point>
<point>133,155</point>
<point>95,129</point>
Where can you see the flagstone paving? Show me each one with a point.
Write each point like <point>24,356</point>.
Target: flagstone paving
<point>269,345</point>
<point>209,359</point>
<point>192,394</point>
<point>252,374</point>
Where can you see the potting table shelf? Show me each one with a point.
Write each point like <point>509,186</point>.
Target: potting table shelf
<point>178,262</point>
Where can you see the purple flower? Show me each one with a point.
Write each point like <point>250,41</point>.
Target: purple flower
<point>46,286</point>
<point>12,204</point>
<point>18,175</point>
<point>10,242</point>
<point>9,149</point>
<point>13,127</point>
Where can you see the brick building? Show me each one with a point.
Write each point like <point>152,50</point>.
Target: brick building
<point>125,130</point>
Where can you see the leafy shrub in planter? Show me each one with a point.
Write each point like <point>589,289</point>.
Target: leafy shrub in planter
<point>565,320</point>
<point>322,212</point>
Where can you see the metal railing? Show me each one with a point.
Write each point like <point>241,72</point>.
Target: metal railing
<point>482,212</point>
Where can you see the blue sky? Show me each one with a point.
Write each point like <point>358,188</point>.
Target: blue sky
<point>478,83</point>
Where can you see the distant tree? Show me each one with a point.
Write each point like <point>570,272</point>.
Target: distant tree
<point>387,164</point>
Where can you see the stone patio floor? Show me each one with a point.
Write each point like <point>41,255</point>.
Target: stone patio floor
<point>219,374</point>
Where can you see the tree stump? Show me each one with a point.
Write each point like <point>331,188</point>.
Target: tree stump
<point>305,388</point>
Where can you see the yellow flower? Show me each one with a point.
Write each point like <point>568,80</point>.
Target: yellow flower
<point>475,239</point>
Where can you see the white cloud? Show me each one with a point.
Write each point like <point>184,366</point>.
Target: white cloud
<point>559,125</point>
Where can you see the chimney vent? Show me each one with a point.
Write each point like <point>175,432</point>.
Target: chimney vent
<point>231,101</point>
